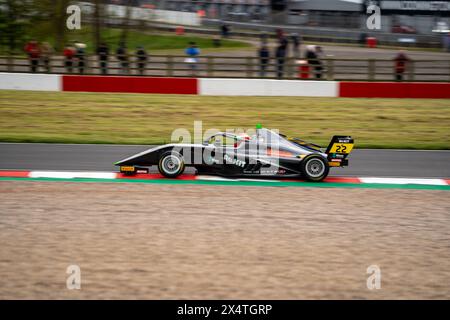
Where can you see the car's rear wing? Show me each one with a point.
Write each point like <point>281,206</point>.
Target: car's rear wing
<point>338,150</point>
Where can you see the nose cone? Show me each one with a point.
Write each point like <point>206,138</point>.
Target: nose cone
<point>124,162</point>
<point>118,163</point>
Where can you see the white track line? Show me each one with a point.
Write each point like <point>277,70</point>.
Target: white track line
<point>113,175</point>
<point>218,178</point>
<point>214,178</point>
<point>437,182</point>
<point>72,174</point>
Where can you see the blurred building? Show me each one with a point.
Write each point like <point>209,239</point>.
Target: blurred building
<point>325,13</point>
<point>235,10</point>
<point>399,16</point>
<point>422,17</point>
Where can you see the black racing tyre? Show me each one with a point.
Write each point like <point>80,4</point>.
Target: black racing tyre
<point>171,164</point>
<point>315,167</point>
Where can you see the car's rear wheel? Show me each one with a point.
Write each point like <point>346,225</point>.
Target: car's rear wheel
<point>315,168</point>
<point>171,164</point>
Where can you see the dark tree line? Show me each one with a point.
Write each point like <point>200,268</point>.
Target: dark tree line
<point>18,18</point>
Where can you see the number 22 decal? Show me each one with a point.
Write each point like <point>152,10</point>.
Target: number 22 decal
<point>341,148</point>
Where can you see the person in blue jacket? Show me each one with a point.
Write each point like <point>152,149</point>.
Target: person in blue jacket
<point>192,52</point>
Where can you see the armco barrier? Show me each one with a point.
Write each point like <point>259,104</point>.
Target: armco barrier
<point>215,86</point>
<point>394,90</point>
<point>266,87</point>
<point>35,82</point>
<point>129,84</point>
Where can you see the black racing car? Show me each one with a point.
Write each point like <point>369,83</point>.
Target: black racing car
<point>265,154</point>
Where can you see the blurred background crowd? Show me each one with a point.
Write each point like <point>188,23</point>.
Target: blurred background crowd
<point>127,31</point>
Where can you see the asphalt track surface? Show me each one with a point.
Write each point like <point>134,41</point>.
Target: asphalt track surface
<point>363,163</point>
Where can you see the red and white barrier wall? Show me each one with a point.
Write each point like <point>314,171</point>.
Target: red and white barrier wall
<point>25,81</point>
<point>217,86</point>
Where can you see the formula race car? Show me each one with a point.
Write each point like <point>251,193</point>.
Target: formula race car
<point>264,154</point>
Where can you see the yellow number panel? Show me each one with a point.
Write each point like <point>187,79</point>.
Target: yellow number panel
<point>343,148</point>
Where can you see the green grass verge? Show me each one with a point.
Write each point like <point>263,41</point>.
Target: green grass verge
<point>242,183</point>
<point>152,41</point>
<point>150,119</point>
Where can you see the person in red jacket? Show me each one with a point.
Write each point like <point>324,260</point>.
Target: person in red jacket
<point>69,53</point>
<point>34,53</point>
<point>401,61</point>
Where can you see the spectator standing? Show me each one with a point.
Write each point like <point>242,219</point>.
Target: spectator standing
<point>69,53</point>
<point>142,58</point>
<point>225,31</point>
<point>80,55</point>
<point>103,54</point>
<point>122,56</point>
<point>362,39</point>
<point>264,58</point>
<point>192,52</point>
<point>285,43</point>
<point>46,53</point>
<point>319,69</point>
<point>280,55</point>
<point>295,38</point>
<point>314,61</point>
<point>401,61</point>
<point>33,51</point>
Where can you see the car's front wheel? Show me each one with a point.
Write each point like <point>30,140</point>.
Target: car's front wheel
<point>171,164</point>
<point>315,168</point>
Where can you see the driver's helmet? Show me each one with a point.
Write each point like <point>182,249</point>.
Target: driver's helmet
<point>242,137</point>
